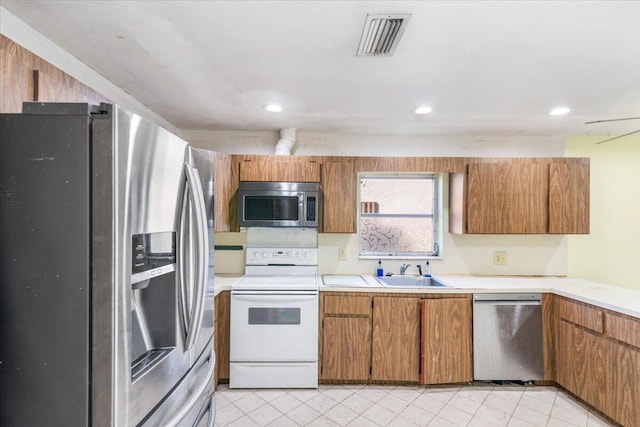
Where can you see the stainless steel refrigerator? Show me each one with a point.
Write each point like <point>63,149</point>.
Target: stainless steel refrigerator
<point>106,271</point>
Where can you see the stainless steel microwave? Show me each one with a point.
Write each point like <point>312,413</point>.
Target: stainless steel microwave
<point>278,204</point>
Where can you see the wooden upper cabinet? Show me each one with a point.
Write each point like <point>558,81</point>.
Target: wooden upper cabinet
<point>25,76</point>
<point>395,354</point>
<point>225,183</point>
<point>507,198</point>
<point>521,196</point>
<point>339,197</point>
<point>446,341</point>
<point>569,197</point>
<point>280,170</point>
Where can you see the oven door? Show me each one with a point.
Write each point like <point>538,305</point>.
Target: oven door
<point>274,326</point>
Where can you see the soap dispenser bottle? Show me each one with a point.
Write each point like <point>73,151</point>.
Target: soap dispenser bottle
<point>427,270</point>
<point>379,271</point>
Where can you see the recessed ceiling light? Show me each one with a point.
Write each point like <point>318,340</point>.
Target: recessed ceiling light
<point>559,111</point>
<point>425,109</point>
<point>274,108</point>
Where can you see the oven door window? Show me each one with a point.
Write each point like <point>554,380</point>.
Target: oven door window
<point>271,208</point>
<point>274,316</point>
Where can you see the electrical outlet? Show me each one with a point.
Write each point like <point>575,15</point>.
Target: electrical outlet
<point>342,254</point>
<point>500,258</point>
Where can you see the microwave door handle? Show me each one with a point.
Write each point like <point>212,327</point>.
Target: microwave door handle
<point>197,199</point>
<point>303,220</point>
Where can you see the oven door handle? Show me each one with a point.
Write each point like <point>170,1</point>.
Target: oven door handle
<point>274,298</point>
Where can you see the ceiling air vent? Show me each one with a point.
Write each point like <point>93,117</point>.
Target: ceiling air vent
<point>381,34</point>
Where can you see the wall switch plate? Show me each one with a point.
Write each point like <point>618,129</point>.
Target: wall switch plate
<point>342,254</point>
<point>500,258</point>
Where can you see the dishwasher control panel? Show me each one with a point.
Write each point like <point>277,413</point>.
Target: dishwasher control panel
<point>508,297</point>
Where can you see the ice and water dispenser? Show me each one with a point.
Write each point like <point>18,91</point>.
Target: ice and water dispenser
<point>153,299</point>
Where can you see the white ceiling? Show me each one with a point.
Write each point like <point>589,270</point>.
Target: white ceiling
<point>486,68</point>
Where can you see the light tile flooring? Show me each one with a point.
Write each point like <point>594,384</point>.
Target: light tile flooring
<point>360,406</point>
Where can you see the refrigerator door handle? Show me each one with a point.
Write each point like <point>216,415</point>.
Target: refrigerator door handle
<point>182,263</point>
<point>175,420</point>
<point>210,407</point>
<point>197,310</point>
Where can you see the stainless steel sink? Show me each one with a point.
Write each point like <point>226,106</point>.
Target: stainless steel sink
<point>409,282</point>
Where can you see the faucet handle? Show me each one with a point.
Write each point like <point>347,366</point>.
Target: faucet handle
<point>404,267</point>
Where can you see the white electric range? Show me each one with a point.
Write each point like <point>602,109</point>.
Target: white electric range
<point>274,320</point>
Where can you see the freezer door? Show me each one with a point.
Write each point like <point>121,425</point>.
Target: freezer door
<point>191,399</point>
<point>45,269</point>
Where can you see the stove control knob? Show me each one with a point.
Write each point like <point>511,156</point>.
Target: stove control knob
<point>297,254</point>
<point>305,254</point>
<point>264,254</point>
<point>256,254</point>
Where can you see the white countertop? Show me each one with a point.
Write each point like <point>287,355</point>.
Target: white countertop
<point>622,300</point>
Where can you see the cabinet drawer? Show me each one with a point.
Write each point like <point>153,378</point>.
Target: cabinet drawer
<point>583,315</point>
<point>347,305</point>
<point>623,329</point>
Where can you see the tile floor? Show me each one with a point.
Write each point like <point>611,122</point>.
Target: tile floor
<point>360,406</point>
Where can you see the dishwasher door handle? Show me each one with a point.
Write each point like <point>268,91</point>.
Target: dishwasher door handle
<point>482,302</point>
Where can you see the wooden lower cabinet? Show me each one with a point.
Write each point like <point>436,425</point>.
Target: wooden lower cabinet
<point>346,344</point>
<point>395,354</point>
<point>446,340</point>
<point>221,334</point>
<point>583,364</point>
<point>369,338</point>
<point>597,358</point>
<point>626,386</point>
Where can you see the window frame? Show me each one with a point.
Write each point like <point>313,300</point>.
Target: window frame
<point>438,203</point>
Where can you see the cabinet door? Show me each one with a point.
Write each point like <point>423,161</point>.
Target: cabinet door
<point>569,197</point>
<point>222,328</point>
<point>585,364</point>
<point>396,339</point>
<point>280,170</point>
<point>224,188</point>
<point>626,386</point>
<point>446,341</point>
<point>507,198</point>
<point>346,348</point>
<point>339,197</point>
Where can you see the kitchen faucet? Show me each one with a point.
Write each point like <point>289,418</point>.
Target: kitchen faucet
<point>404,267</point>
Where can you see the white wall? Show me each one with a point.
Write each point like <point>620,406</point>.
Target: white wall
<point>530,255</point>
<point>18,31</point>
<point>611,252</point>
<point>358,144</point>
<point>466,254</point>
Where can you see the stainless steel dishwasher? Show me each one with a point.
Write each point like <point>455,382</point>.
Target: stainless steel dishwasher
<point>507,337</point>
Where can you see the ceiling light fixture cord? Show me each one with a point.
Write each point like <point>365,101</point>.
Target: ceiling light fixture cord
<point>619,136</point>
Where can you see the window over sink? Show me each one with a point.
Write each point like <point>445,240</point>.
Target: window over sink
<point>400,215</point>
